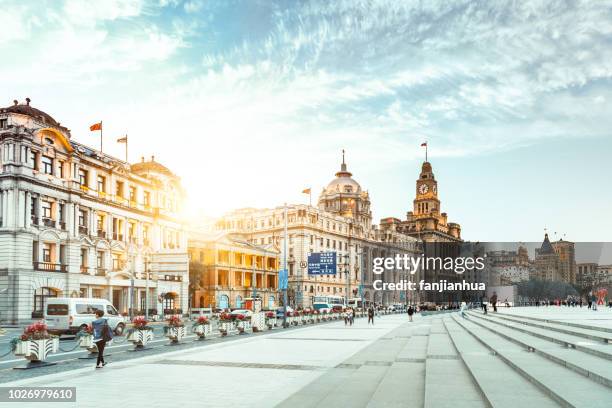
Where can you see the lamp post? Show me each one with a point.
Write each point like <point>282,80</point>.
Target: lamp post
<point>285,270</point>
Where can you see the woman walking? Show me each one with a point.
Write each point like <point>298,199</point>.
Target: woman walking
<point>102,335</point>
<point>410,312</point>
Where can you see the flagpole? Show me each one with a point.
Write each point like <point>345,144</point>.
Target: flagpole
<point>310,197</point>
<point>126,148</point>
<point>100,136</point>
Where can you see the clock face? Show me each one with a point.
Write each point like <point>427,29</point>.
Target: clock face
<point>423,189</point>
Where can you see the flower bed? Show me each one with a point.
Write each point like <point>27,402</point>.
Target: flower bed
<point>202,327</point>
<point>270,320</point>
<point>175,330</point>
<point>227,325</point>
<point>35,344</point>
<point>141,333</point>
<point>243,323</point>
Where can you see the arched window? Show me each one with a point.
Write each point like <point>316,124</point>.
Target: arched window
<point>40,297</point>
<point>168,302</point>
<point>223,302</point>
<point>238,301</point>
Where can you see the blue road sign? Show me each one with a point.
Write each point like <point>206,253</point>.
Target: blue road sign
<point>322,263</point>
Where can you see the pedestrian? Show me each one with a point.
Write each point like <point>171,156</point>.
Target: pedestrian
<point>370,315</point>
<point>102,334</point>
<point>494,301</point>
<point>462,310</point>
<point>410,312</point>
<point>351,316</point>
<point>594,301</point>
<point>483,303</point>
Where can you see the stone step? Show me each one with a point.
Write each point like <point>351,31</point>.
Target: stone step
<point>566,340</point>
<point>565,323</point>
<point>497,381</point>
<point>448,384</point>
<point>594,367</point>
<point>403,386</point>
<point>591,333</point>
<point>357,389</point>
<point>567,387</point>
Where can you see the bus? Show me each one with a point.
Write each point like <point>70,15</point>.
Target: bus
<point>332,300</point>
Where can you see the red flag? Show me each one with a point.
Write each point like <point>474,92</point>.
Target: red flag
<point>96,126</point>
<point>424,144</point>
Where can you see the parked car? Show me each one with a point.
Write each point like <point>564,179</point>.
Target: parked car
<point>322,307</point>
<point>245,312</point>
<point>69,315</point>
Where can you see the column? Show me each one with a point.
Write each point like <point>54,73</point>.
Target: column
<point>39,210</point>
<point>28,205</point>
<point>75,220</point>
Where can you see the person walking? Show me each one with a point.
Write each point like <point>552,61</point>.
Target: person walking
<point>494,301</point>
<point>410,312</point>
<point>594,301</point>
<point>462,310</point>
<point>483,303</point>
<point>102,334</point>
<point>370,315</point>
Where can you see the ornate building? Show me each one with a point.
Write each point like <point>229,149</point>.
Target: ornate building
<point>77,222</point>
<point>225,270</point>
<point>341,223</point>
<point>556,261</point>
<point>426,222</point>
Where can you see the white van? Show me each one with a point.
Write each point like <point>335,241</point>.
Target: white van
<point>69,315</point>
<point>322,307</point>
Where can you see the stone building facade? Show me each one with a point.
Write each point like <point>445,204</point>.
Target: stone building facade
<point>225,270</point>
<point>75,222</point>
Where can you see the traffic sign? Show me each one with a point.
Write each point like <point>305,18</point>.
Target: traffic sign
<point>322,263</point>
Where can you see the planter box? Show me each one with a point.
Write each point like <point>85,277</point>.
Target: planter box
<point>37,350</point>
<point>227,328</point>
<point>244,326</point>
<point>175,334</point>
<point>140,338</point>
<point>202,330</point>
<point>271,323</point>
<point>88,343</point>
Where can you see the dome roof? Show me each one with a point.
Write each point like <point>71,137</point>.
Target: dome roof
<point>343,183</point>
<point>26,109</point>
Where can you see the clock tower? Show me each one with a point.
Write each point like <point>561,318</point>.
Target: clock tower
<point>426,201</point>
<point>425,221</point>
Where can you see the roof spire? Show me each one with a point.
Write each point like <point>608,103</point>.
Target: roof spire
<point>343,166</point>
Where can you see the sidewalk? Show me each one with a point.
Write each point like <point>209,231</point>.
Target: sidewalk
<point>258,371</point>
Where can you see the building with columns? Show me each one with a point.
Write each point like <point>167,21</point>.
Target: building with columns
<point>225,270</point>
<point>341,223</point>
<point>75,222</point>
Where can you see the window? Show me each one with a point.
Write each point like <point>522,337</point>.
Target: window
<point>34,159</point>
<point>101,184</point>
<point>83,176</point>
<point>47,252</point>
<point>46,208</point>
<point>84,257</point>
<point>111,310</point>
<point>61,212</point>
<point>132,193</point>
<point>147,199</point>
<point>3,123</point>
<point>47,163</point>
<point>100,222</point>
<point>60,168</point>
<point>119,189</point>
<point>145,233</point>
<point>100,259</point>
<point>82,218</point>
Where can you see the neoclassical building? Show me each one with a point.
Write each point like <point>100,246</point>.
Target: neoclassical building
<point>341,223</point>
<point>225,270</point>
<point>77,222</point>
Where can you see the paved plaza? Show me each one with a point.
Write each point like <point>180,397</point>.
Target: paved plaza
<point>522,357</point>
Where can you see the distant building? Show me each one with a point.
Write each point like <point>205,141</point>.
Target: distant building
<point>225,269</point>
<point>556,261</point>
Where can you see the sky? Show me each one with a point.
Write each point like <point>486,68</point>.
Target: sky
<point>250,102</point>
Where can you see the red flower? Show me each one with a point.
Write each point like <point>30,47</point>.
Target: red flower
<point>175,321</point>
<point>140,322</point>
<point>270,315</point>
<point>239,317</point>
<point>202,320</point>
